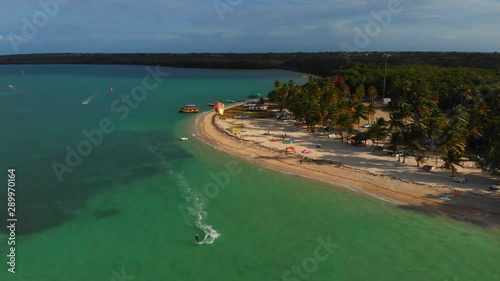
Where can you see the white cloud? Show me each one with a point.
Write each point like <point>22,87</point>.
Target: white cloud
<point>1,37</point>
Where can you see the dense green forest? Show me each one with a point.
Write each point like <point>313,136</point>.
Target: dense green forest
<point>435,111</point>
<point>322,64</point>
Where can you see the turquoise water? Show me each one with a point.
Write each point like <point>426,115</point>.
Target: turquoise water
<point>134,204</point>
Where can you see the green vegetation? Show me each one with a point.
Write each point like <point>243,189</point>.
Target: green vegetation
<point>323,64</point>
<point>445,112</point>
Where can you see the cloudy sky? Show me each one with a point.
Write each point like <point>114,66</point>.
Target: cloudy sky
<point>248,25</point>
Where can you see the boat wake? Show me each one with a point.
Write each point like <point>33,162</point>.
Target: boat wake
<point>89,99</point>
<point>13,88</point>
<point>195,206</point>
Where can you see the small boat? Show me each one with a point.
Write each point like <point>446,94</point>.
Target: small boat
<point>190,108</point>
<point>211,104</point>
<point>183,139</point>
<point>230,101</point>
<point>255,96</point>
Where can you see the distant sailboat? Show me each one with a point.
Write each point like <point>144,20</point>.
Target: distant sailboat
<point>111,90</point>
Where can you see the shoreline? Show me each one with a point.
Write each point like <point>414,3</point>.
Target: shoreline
<point>421,197</point>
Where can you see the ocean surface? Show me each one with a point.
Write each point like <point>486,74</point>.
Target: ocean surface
<point>130,197</point>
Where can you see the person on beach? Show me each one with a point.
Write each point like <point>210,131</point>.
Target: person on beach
<point>197,239</point>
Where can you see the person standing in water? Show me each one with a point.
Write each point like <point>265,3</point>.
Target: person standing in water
<point>197,239</point>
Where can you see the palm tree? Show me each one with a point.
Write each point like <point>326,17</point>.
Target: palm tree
<point>406,111</point>
<point>465,93</point>
<point>396,140</point>
<point>420,158</point>
<point>451,160</point>
<point>360,92</point>
<point>371,110</point>
<point>359,111</point>
<point>372,93</point>
<point>406,87</point>
<point>433,124</point>
<point>451,139</point>
<point>343,123</point>
<point>412,139</point>
<point>458,118</point>
<point>377,132</point>
<point>277,84</point>
<point>396,121</point>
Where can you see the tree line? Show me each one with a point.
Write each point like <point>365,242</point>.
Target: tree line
<point>322,64</point>
<point>435,112</point>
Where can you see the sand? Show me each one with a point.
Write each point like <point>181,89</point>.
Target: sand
<point>360,169</point>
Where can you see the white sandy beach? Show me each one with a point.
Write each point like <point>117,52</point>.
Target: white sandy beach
<point>359,168</point>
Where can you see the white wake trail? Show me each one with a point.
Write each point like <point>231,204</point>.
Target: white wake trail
<point>89,99</point>
<point>195,206</point>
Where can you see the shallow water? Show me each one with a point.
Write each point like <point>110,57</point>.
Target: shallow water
<point>135,203</point>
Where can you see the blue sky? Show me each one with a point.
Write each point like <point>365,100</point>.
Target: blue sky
<point>181,26</point>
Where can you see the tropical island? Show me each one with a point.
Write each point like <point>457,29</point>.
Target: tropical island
<point>413,127</point>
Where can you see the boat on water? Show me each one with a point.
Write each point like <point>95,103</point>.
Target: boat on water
<point>230,101</point>
<point>190,108</point>
<point>183,139</point>
<point>211,104</point>
<point>255,96</point>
